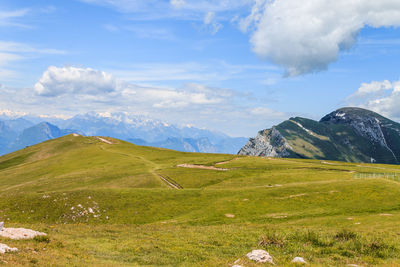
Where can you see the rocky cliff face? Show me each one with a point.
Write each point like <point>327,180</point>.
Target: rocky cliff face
<point>269,143</point>
<point>347,134</point>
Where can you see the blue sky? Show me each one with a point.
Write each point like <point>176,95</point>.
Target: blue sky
<point>234,66</point>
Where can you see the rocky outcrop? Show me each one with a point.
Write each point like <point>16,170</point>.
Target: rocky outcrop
<point>347,134</point>
<point>267,143</point>
<point>366,123</point>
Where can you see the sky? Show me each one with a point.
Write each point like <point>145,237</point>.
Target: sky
<point>236,66</point>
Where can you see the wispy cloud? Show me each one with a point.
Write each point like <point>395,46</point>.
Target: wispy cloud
<point>143,31</point>
<point>211,23</point>
<point>191,71</point>
<point>194,10</point>
<point>7,18</point>
<point>11,52</point>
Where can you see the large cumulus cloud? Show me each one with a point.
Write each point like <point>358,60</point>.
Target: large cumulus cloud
<point>58,81</point>
<point>306,36</point>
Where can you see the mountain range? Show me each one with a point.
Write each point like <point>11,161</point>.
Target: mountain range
<point>19,132</point>
<point>347,134</point>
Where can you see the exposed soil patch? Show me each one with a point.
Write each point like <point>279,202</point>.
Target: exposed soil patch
<point>201,167</point>
<point>224,162</point>
<point>105,140</point>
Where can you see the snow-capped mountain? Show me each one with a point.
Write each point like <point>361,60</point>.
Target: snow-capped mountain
<point>28,130</point>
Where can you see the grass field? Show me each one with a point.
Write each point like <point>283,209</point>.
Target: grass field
<point>107,204</point>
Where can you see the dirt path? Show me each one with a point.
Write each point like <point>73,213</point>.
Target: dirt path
<point>224,162</point>
<point>104,140</point>
<point>192,166</point>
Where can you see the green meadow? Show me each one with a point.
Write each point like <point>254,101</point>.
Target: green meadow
<point>125,205</point>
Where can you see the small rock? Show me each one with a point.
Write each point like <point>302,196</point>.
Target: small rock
<point>4,248</point>
<point>1,226</point>
<point>260,255</point>
<point>230,215</point>
<point>237,265</point>
<point>299,260</point>
<point>353,265</point>
<point>19,233</point>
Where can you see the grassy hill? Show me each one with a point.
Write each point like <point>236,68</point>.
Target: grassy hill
<point>111,203</point>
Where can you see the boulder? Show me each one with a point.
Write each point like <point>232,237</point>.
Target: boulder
<point>260,255</point>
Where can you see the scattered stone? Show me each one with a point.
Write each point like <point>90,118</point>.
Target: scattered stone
<point>1,226</point>
<point>230,215</point>
<point>19,233</point>
<point>299,260</point>
<point>260,255</point>
<point>357,223</point>
<point>236,261</point>
<point>237,265</point>
<point>386,214</point>
<point>4,248</point>
<point>353,265</point>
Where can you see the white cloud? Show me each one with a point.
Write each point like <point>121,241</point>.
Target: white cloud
<point>382,97</point>
<point>11,52</point>
<point>177,3</point>
<point>267,113</point>
<point>181,9</point>
<point>95,85</point>
<point>150,32</point>
<point>212,71</point>
<point>211,24</point>
<point>70,80</point>
<point>7,17</point>
<point>24,48</point>
<point>373,88</point>
<point>306,36</point>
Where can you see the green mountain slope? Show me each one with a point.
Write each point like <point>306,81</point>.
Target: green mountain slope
<point>78,162</point>
<point>105,202</point>
<point>348,134</point>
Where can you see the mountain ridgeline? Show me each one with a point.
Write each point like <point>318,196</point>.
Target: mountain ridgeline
<point>347,134</point>
<point>18,133</point>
